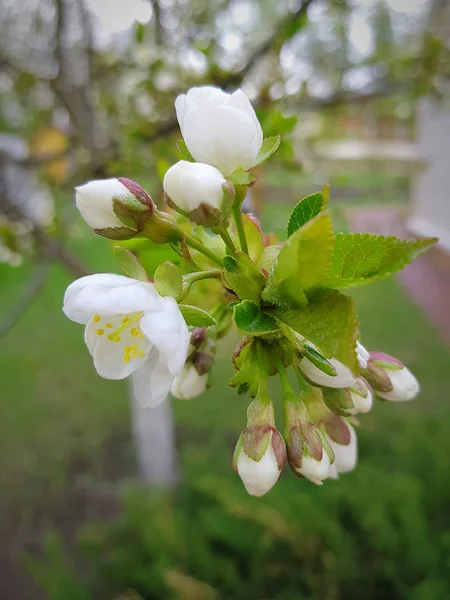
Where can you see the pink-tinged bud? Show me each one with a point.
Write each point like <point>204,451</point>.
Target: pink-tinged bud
<point>344,446</point>
<point>259,458</point>
<point>189,384</point>
<point>361,396</point>
<point>307,454</point>
<point>198,337</point>
<point>390,379</point>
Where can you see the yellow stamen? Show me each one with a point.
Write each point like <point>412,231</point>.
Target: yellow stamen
<point>126,358</point>
<point>125,320</point>
<point>127,349</point>
<point>108,325</point>
<point>100,331</point>
<point>141,354</point>
<point>116,338</point>
<point>96,318</point>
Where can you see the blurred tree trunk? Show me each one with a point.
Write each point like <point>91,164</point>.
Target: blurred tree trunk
<point>154,440</point>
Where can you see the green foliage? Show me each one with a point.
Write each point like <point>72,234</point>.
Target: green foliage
<point>241,177</point>
<point>318,360</point>
<point>254,238</point>
<point>243,276</point>
<point>379,532</point>
<point>269,147</point>
<point>302,263</point>
<point>246,361</point>
<point>250,319</point>
<point>360,258</point>
<point>329,322</point>
<point>308,208</point>
<point>196,317</point>
<point>129,264</point>
<point>168,279</point>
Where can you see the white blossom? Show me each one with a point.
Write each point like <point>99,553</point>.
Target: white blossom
<point>190,185</point>
<point>94,200</point>
<point>362,355</point>
<point>405,386</point>
<point>344,377</point>
<point>315,470</point>
<point>130,330</point>
<point>219,129</point>
<point>189,384</point>
<point>259,476</point>
<point>345,456</point>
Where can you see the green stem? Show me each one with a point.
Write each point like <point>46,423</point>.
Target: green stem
<point>191,241</point>
<point>237,214</point>
<point>227,239</point>
<point>262,394</point>
<point>191,278</point>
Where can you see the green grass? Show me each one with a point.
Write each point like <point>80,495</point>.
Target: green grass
<point>57,416</point>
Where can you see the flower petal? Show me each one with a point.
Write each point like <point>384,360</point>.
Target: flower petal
<point>108,294</point>
<point>239,100</point>
<point>115,359</point>
<point>167,331</point>
<point>153,381</point>
<point>222,136</point>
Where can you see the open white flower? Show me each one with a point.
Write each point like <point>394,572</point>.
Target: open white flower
<point>189,185</point>
<point>345,456</point>
<point>130,329</point>
<point>189,384</point>
<point>219,129</point>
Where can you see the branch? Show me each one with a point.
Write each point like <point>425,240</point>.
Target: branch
<point>26,297</point>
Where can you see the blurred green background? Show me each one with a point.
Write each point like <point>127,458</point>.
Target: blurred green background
<point>77,523</point>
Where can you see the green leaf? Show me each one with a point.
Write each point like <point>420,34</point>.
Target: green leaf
<point>243,276</point>
<point>196,317</point>
<point>268,147</point>
<point>308,208</point>
<point>338,400</point>
<point>329,322</point>
<point>129,264</point>
<point>302,263</point>
<point>249,319</point>
<point>360,258</point>
<point>168,279</point>
<point>247,377</point>
<point>319,361</point>
<point>184,152</point>
<point>241,177</point>
<point>254,238</point>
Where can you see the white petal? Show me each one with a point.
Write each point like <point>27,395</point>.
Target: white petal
<point>207,95</point>
<point>345,457</point>
<point>222,136</point>
<point>152,382</point>
<point>108,294</point>
<point>258,477</point>
<point>361,404</point>
<point>343,379</point>
<point>94,200</point>
<point>405,386</point>
<point>182,104</point>
<point>110,356</point>
<point>167,331</point>
<point>315,471</point>
<point>362,355</point>
<point>189,384</point>
<point>190,184</point>
<point>239,100</point>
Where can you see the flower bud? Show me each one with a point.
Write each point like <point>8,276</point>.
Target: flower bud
<point>189,384</point>
<point>342,439</point>
<point>259,458</point>
<point>344,378</point>
<point>120,209</point>
<point>361,396</point>
<point>306,453</point>
<point>219,129</point>
<point>113,207</point>
<point>390,379</point>
<point>199,191</point>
